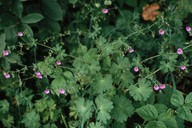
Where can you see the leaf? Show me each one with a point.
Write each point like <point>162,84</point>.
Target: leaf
<point>185,113</point>
<point>155,124</point>
<point>177,98</point>
<point>141,92</point>
<point>5,64</point>
<point>95,125</point>
<point>188,100</point>
<point>28,37</point>
<point>161,108</point>
<point>84,108</point>
<point>123,108</point>
<point>11,36</point>
<point>166,115</point>
<point>102,83</point>
<point>122,64</point>
<point>2,43</point>
<point>150,12</point>
<point>14,58</point>
<point>104,107</point>
<point>4,107</point>
<point>117,124</point>
<point>147,112</point>
<point>8,122</point>
<point>31,119</point>
<point>52,9</point>
<point>7,20</point>
<point>17,8</point>
<point>167,67</point>
<point>57,84</point>
<point>125,79</point>
<point>164,98</point>
<point>32,18</point>
<point>171,123</point>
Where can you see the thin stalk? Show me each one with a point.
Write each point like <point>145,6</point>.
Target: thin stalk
<point>141,30</point>
<point>153,73</point>
<point>64,121</point>
<point>46,46</point>
<point>173,80</point>
<point>187,46</point>
<point>150,58</point>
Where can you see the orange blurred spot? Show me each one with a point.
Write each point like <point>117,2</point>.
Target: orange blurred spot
<point>150,12</point>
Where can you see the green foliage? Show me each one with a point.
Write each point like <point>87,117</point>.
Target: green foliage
<point>147,112</point>
<point>96,125</point>
<point>31,119</point>
<point>102,84</point>
<point>104,107</point>
<point>177,98</point>
<point>73,64</point>
<point>141,92</point>
<point>32,18</point>
<point>183,105</point>
<point>84,109</point>
<point>123,108</point>
<point>2,43</point>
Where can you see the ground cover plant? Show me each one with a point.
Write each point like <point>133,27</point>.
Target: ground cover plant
<point>95,63</point>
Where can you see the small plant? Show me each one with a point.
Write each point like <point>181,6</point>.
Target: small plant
<point>95,64</point>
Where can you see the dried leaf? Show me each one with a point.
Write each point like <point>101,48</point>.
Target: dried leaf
<point>150,12</point>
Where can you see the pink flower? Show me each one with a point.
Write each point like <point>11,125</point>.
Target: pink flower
<point>58,62</point>
<point>7,75</point>
<point>46,91</point>
<point>62,91</point>
<point>156,87</point>
<point>131,50</point>
<point>136,69</point>
<point>162,86</point>
<point>188,28</point>
<point>161,32</point>
<point>38,75</point>
<point>5,52</point>
<point>183,67</point>
<point>20,34</point>
<point>105,11</point>
<point>179,51</point>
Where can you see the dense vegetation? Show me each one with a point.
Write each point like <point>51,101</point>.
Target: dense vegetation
<point>95,63</point>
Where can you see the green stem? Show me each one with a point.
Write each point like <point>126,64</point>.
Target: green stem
<point>64,121</point>
<point>45,46</point>
<point>67,54</point>
<point>173,80</point>
<point>141,30</point>
<point>187,46</point>
<point>153,73</point>
<point>150,58</point>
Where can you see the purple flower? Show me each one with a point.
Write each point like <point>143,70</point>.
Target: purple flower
<point>156,87</point>
<point>162,86</point>
<point>46,91</point>
<point>62,91</point>
<point>188,28</point>
<point>7,75</point>
<point>20,34</point>
<point>161,32</point>
<point>136,69</point>
<point>179,51</point>
<point>58,62</point>
<point>131,50</point>
<point>5,52</point>
<point>183,67</point>
<point>38,75</point>
<point>105,11</point>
